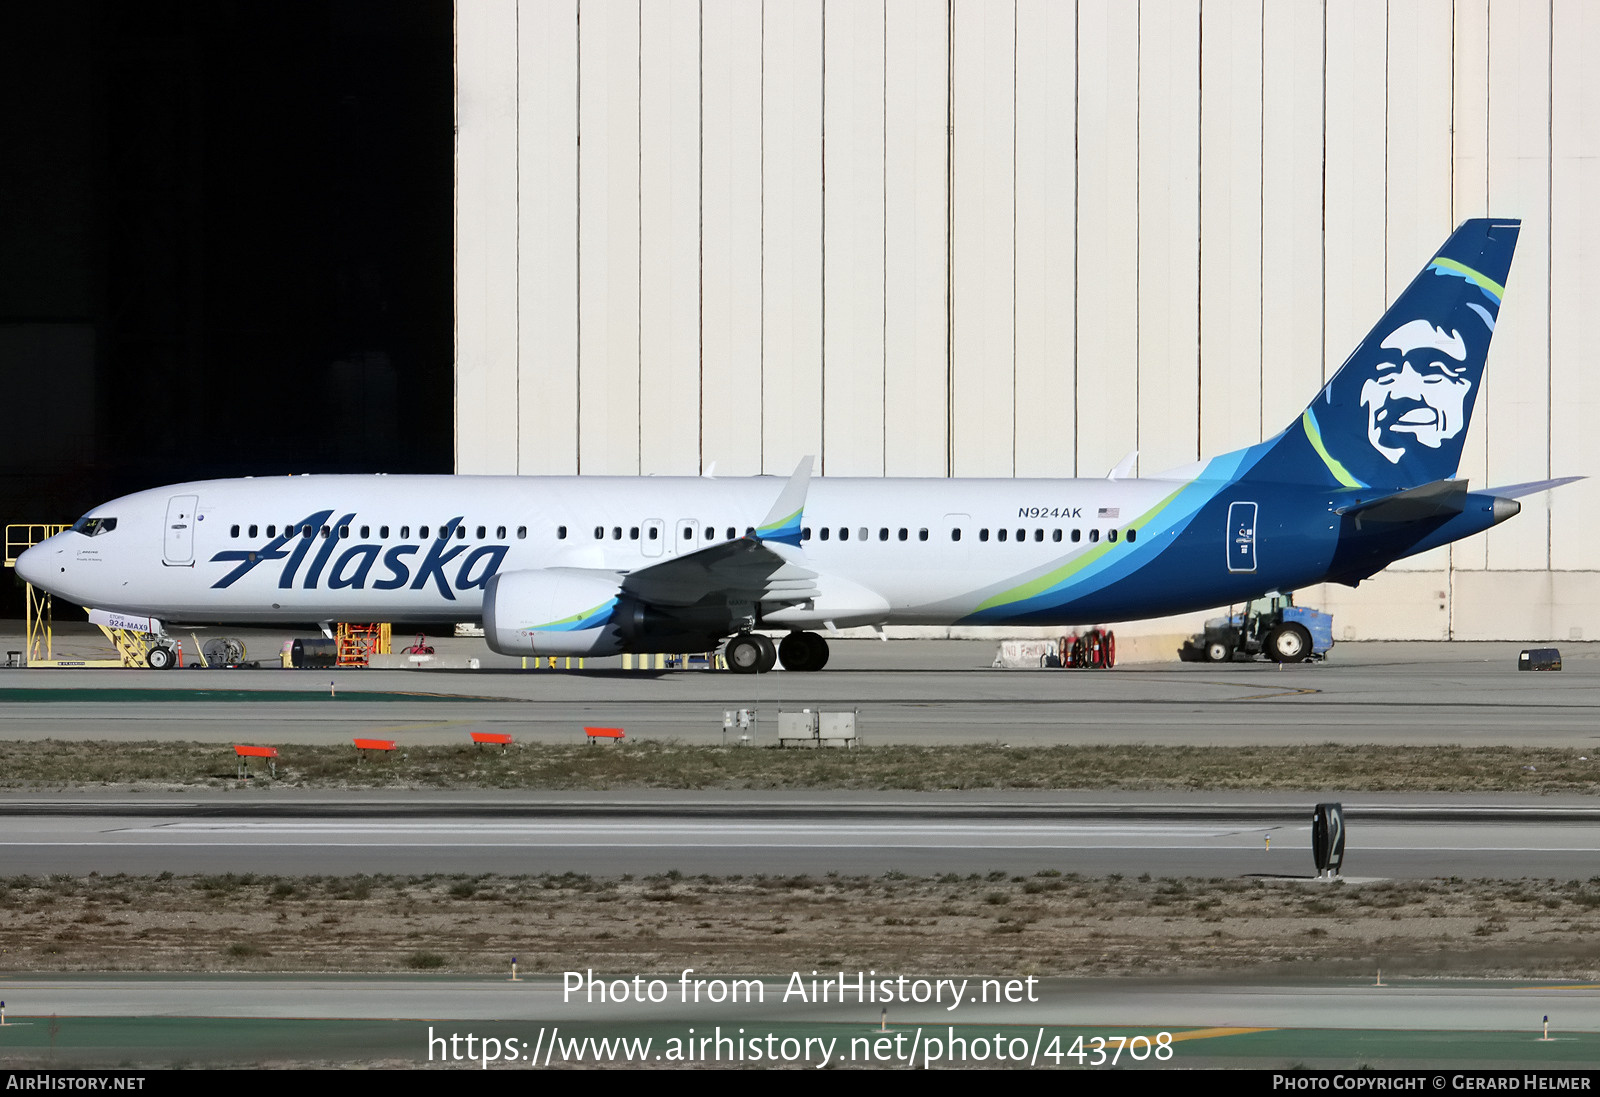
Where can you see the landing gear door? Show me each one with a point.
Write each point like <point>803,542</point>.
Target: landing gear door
<point>1242,537</point>
<point>178,546</point>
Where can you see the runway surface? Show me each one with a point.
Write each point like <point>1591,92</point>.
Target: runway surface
<point>908,692</point>
<point>1241,835</point>
<point>905,692</point>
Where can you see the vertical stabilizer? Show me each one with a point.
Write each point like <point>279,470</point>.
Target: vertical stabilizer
<point>1395,414</point>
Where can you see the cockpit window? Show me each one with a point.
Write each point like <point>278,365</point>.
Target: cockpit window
<point>93,527</point>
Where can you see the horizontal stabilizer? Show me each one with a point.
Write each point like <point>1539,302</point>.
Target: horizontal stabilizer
<point>1517,491</point>
<point>1440,499</point>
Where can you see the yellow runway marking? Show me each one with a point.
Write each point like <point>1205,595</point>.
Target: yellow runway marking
<point>1208,1033</point>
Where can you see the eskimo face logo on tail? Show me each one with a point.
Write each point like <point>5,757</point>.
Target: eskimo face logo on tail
<point>349,565</point>
<point>1396,413</point>
<point>1418,391</point>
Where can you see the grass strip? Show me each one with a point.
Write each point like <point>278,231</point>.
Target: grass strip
<point>58,764</point>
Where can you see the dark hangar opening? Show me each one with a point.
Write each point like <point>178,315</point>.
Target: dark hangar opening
<point>229,247</point>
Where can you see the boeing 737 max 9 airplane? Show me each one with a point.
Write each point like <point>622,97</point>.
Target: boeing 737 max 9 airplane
<point>600,565</point>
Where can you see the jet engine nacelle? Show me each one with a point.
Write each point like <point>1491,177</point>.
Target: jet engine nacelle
<point>567,611</point>
<point>553,612</point>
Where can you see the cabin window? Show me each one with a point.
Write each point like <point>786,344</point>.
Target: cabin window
<point>983,535</point>
<point>1111,535</point>
<point>422,533</point>
<point>383,533</point>
<point>955,534</point>
<point>1055,535</point>
<point>483,533</point>
<point>1077,535</point>
<point>863,533</point>
<point>344,531</point>
<point>1038,535</point>
<point>1022,535</point>
<point>633,533</point>
<point>1001,534</point>
<point>499,533</point>
<point>599,532</point>
<point>522,533</point>
<point>272,531</point>
<point>1094,535</point>
<point>824,533</point>
<point>653,533</point>
<point>844,533</point>
<point>732,533</point>
<point>805,533</point>
<point>461,533</point>
<point>1131,534</point>
<point>883,534</point>
<point>688,532</point>
<point>234,531</point>
<point>616,533</point>
<point>405,533</point>
<point>922,534</point>
<point>904,533</point>
<point>253,530</point>
<point>561,533</point>
<point>366,533</point>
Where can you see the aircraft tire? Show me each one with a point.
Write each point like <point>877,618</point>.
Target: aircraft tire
<point>819,650</point>
<point>159,658</point>
<point>1217,652</point>
<point>744,653</point>
<point>769,655</point>
<point>1289,643</point>
<point>795,652</point>
<point>803,651</point>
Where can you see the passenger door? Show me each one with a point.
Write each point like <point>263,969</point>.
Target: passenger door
<point>178,546</point>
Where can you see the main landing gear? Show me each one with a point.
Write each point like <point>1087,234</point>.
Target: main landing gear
<point>748,653</point>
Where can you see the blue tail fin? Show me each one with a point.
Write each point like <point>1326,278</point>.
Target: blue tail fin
<point>1395,414</point>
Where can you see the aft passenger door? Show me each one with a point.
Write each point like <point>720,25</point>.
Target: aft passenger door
<point>178,546</point>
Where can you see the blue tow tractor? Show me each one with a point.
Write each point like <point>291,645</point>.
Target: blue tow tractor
<point>1272,626</point>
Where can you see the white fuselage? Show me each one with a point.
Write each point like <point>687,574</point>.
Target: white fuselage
<point>368,547</point>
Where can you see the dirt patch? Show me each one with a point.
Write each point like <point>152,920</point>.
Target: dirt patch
<point>1047,924</point>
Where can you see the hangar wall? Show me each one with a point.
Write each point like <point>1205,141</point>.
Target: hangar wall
<point>1021,237</point>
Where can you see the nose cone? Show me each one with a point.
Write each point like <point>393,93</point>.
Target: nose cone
<point>32,565</point>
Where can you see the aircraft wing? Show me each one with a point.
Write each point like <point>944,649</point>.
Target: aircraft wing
<point>763,567</point>
<point>746,570</point>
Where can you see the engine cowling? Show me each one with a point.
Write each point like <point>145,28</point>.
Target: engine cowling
<point>552,613</point>
<point>561,611</point>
